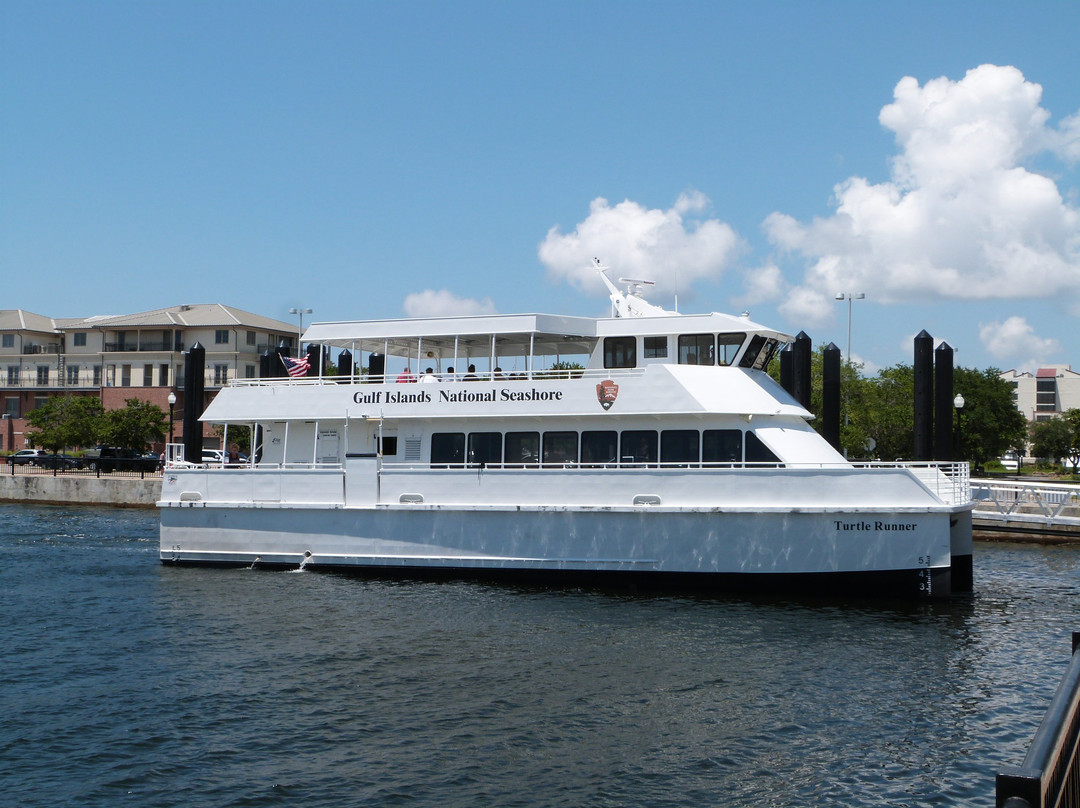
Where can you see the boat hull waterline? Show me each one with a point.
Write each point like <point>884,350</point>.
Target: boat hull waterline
<point>901,552</point>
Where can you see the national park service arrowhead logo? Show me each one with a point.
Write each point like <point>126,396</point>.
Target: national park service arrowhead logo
<point>606,393</point>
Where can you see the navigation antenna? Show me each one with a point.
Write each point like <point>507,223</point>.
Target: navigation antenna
<point>629,303</point>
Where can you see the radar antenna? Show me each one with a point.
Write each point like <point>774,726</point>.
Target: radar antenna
<point>629,303</point>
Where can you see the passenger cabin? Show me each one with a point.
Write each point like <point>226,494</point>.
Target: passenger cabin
<point>531,390</point>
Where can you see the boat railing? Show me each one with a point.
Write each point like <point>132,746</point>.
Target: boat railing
<point>1049,777</point>
<point>950,482</point>
<point>481,376</point>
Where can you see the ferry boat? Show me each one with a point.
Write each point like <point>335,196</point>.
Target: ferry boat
<point>649,448</point>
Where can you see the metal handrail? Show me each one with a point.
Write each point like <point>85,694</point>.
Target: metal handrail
<point>1050,774</point>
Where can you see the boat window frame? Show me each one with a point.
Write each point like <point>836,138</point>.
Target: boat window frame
<point>590,443</point>
<point>620,352</point>
<point>756,346</point>
<point>715,460</point>
<point>697,342</point>
<point>725,340</point>
<point>757,452</point>
<point>512,444</point>
<point>651,444</point>
<point>671,453</point>
<point>654,347</point>
<point>456,459</point>
<point>490,446</point>
<point>548,451</point>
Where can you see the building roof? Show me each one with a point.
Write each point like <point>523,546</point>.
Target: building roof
<point>19,320</point>
<point>197,315</point>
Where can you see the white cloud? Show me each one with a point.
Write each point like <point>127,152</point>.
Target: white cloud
<point>673,248</point>
<point>961,217</point>
<point>443,303</point>
<point>761,284</point>
<point>1016,339</point>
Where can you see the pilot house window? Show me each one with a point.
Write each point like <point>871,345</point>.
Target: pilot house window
<point>697,349</point>
<point>655,347</point>
<point>728,346</point>
<point>620,352</point>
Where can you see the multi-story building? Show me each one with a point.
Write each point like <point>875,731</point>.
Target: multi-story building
<point>124,356</point>
<point>1048,392</point>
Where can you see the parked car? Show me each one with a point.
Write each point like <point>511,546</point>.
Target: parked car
<point>26,457</point>
<point>1009,461</point>
<point>58,461</point>
<point>219,457</point>
<point>112,458</point>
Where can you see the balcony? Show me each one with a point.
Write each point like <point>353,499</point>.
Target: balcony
<point>145,345</point>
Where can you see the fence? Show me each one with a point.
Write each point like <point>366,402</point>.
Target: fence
<point>80,471</point>
<point>1050,774</point>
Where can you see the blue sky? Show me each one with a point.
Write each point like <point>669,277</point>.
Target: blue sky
<point>376,159</point>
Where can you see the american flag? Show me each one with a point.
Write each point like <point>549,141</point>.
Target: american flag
<point>296,367</point>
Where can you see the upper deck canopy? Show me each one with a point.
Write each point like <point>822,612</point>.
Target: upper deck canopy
<point>515,333</point>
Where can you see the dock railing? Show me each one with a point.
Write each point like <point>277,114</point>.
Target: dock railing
<point>1050,774</point>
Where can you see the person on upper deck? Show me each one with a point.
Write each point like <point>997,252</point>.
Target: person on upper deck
<point>429,376</point>
<point>471,375</point>
<point>406,376</point>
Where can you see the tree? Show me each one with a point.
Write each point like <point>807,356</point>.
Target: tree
<point>135,426</point>
<point>64,421</point>
<point>1053,438</point>
<point>854,391</point>
<point>990,424</point>
<point>1073,418</point>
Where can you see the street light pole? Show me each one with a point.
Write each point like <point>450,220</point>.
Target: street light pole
<point>850,297</point>
<point>958,402</point>
<point>300,331</point>
<point>172,404</point>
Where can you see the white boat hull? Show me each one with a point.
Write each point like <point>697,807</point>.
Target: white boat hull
<point>913,551</point>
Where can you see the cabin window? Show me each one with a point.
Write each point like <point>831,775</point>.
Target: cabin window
<point>599,448</point>
<point>79,340</point>
<point>620,352</point>
<point>655,347</point>
<point>560,447</point>
<point>766,355</point>
<point>221,336</point>
<point>727,347</point>
<point>679,446</point>
<point>523,448</point>
<point>758,452</point>
<point>757,343</point>
<point>721,446</point>
<point>638,446</point>
<point>697,349</point>
<point>387,445</point>
<point>485,448</point>
<point>9,340</point>
<point>447,448</point>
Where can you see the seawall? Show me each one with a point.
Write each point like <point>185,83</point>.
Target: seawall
<point>130,492</point>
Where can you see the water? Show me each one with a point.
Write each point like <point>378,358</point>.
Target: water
<point>127,683</point>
